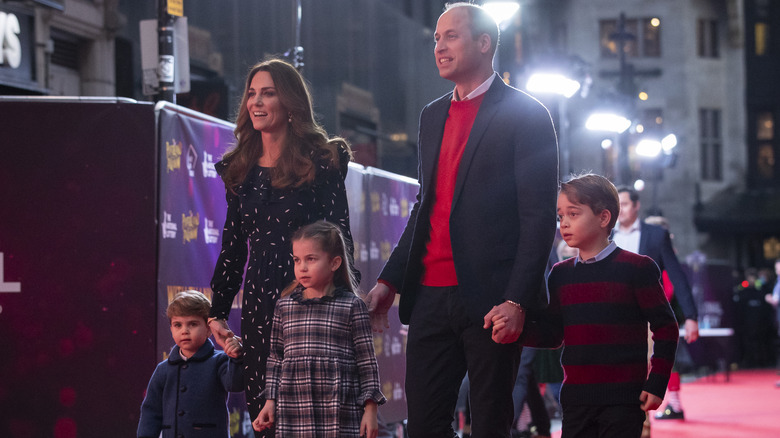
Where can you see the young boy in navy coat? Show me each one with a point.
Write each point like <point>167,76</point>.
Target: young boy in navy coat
<point>188,392</point>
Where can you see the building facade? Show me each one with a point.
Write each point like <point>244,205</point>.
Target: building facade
<point>59,47</point>
<point>699,69</point>
<point>684,73</point>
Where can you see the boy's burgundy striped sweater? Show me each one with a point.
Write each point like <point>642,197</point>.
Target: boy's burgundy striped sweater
<point>601,313</point>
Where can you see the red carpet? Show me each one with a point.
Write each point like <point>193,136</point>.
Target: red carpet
<point>747,406</point>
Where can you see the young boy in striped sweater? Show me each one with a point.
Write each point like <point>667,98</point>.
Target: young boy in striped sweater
<point>600,305</point>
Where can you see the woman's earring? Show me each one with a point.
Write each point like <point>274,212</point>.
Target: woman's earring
<point>289,117</point>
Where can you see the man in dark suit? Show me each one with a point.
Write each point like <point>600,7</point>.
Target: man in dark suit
<point>475,247</point>
<point>654,241</point>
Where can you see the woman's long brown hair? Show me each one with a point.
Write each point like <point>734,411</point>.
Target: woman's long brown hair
<point>306,144</point>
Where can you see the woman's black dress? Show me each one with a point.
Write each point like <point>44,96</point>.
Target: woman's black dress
<point>260,220</point>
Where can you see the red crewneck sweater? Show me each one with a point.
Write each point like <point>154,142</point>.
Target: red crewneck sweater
<point>437,261</point>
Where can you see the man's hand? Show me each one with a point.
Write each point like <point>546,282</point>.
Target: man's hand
<point>379,300</point>
<point>221,331</point>
<point>691,330</point>
<point>507,322</point>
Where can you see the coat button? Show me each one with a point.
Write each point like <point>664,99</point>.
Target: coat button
<point>181,413</point>
<point>183,389</point>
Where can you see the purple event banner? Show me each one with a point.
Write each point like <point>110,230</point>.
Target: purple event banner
<point>191,213</point>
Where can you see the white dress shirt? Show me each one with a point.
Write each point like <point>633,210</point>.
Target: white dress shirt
<point>628,239</point>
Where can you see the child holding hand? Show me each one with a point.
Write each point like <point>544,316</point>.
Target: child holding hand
<point>601,303</point>
<point>322,376</point>
<point>187,393</point>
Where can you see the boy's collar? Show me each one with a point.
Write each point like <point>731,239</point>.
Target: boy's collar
<point>598,257</point>
<point>204,352</point>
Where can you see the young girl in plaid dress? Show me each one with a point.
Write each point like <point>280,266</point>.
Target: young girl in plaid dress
<point>322,378</point>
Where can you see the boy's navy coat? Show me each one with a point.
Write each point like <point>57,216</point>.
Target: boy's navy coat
<point>187,398</point>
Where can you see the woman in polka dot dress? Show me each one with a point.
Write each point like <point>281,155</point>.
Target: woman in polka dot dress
<point>283,173</point>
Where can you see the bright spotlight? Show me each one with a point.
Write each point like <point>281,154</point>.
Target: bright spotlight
<point>669,142</point>
<point>648,148</point>
<point>553,83</point>
<point>501,11</point>
<point>607,122</point>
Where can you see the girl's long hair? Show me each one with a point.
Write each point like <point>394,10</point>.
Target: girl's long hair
<point>331,241</point>
<point>306,145</point>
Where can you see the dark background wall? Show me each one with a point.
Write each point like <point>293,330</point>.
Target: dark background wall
<point>78,232</point>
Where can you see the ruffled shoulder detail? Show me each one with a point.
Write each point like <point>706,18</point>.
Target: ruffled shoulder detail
<point>221,167</point>
<point>326,171</point>
<point>344,158</point>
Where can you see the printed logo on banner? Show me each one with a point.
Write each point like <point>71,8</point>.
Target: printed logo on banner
<point>172,290</point>
<point>208,166</point>
<point>173,153</point>
<point>394,208</point>
<point>404,207</point>
<point>384,204</point>
<point>189,226</point>
<point>373,252</point>
<point>386,249</point>
<point>387,390</point>
<point>210,233</point>
<point>363,252</point>
<point>398,392</point>
<point>169,227</point>
<point>192,160</point>
<point>375,202</point>
<point>393,391</point>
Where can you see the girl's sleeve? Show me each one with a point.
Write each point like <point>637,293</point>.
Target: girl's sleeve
<point>331,192</point>
<point>368,371</point>
<point>229,270</point>
<point>273,373</point>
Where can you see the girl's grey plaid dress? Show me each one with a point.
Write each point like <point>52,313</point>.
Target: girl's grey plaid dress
<point>322,367</point>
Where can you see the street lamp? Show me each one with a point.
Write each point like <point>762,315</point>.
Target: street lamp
<point>660,153</point>
<point>608,122</point>
<point>501,11</point>
<point>614,123</point>
<point>563,87</point>
<point>552,83</point>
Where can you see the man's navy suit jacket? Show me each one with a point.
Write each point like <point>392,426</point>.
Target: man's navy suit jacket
<point>655,242</point>
<point>502,221</point>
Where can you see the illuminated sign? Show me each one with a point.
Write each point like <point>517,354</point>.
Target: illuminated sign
<point>11,53</point>
<point>17,49</point>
